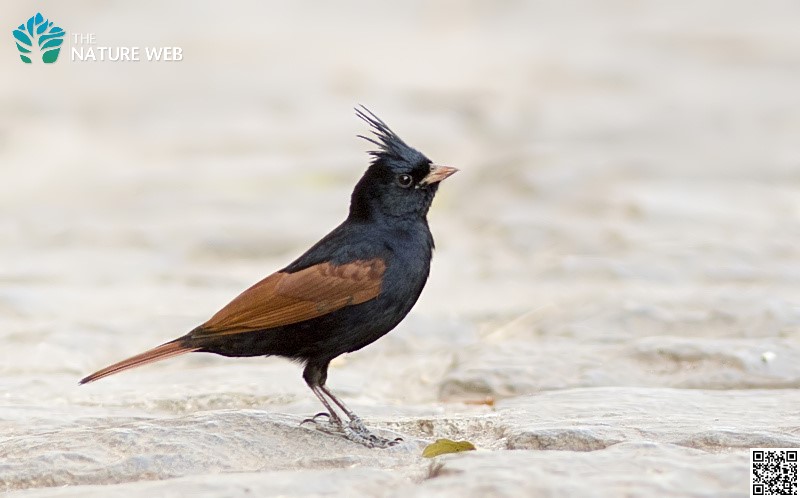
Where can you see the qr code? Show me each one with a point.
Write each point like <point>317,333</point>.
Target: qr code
<point>773,471</point>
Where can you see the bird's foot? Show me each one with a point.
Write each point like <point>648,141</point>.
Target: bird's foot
<point>330,425</point>
<point>354,431</point>
<point>357,424</point>
<point>313,419</point>
<point>357,432</point>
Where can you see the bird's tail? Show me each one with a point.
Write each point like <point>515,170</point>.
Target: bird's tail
<point>168,350</point>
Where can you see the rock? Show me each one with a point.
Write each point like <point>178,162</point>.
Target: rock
<point>515,367</point>
<point>626,469</point>
<point>126,450</point>
<point>596,418</point>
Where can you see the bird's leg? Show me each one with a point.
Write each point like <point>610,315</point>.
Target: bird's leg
<point>331,412</point>
<point>355,421</point>
<point>355,430</point>
<point>314,375</point>
<point>334,424</point>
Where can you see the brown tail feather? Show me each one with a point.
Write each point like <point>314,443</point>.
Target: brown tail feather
<point>168,350</point>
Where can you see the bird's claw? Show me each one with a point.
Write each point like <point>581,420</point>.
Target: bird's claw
<point>331,424</point>
<point>323,415</point>
<point>357,432</point>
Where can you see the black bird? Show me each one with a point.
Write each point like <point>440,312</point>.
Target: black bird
<point>351,288</point>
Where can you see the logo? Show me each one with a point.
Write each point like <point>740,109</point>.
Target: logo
<point>38,39</point>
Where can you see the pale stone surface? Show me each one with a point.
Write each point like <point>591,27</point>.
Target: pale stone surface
<point>516,367</point>
<point>627,469</point>
<point>594,441</point>
<point>613,308</point>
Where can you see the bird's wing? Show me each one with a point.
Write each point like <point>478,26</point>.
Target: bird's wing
<point>286,298</point>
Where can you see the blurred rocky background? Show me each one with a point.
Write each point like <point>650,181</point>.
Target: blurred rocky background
<point>615,289</point>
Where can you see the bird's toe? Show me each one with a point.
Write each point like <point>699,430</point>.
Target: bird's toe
<point>325,422</point>
<point>315,417</point>
<point>357,432</point>
<point>358,425</point>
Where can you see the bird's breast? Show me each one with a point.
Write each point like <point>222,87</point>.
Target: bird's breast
<point>407,269</point>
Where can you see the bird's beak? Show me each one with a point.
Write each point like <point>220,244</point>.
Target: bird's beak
<point>437,174</point>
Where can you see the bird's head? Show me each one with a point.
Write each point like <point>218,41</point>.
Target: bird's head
<point>400,181</point>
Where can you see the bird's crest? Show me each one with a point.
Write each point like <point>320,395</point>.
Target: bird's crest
<point>389,144</point>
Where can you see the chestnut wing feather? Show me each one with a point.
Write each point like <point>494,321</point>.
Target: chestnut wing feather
<point>286,298</point>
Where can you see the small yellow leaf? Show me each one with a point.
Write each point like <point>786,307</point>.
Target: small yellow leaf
<point>442,446</point>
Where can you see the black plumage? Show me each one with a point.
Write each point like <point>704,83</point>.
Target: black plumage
<point>348,290</point>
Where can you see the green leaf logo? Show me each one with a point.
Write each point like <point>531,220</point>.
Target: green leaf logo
<point>39,39</point>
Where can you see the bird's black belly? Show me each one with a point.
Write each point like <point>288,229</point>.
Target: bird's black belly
<point>324,338</point>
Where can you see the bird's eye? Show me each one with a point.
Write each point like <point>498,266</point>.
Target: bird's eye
<point>404,180</point>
